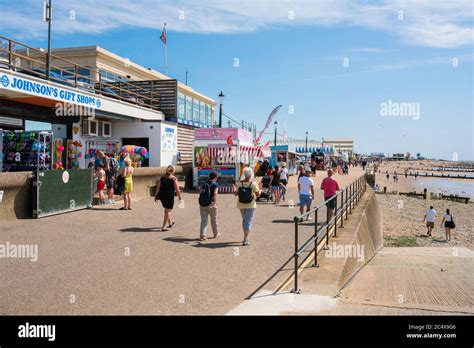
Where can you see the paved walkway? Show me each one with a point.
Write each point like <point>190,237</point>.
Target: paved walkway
<point>83,267</point>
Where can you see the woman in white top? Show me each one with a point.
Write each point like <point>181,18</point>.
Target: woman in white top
<point>448,224</point>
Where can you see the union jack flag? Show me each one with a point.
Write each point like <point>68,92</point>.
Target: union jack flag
<point>163,34</point>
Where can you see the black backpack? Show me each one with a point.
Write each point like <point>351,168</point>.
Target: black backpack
<point>114,166</point>
<point>205,197</point>
<point>245,194</point>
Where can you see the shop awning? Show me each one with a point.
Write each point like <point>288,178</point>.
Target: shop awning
<point>247,153</point>
<point>224,150</point>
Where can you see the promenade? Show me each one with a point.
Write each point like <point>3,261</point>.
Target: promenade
<point>107,261</point>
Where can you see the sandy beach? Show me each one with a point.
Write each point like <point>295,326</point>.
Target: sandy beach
<point>464,187</point>
<point>403,217</point>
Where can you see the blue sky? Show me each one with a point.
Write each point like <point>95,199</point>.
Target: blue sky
<point>292,53</point>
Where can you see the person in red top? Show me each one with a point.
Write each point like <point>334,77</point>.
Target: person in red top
<point>330,187</point>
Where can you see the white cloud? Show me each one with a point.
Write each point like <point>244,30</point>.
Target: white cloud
<point>429,23</point>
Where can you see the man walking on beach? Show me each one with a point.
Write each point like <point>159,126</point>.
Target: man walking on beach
<point>430,216</point>
<point>330,186</point>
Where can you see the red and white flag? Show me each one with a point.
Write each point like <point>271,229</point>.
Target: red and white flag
<point>163,34</point>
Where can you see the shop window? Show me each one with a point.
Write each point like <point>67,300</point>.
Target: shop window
<point>90,127</point>
<point>105,129</point>
<point>108,76</point>
<point>196,110</point>
<point>208,115</point>
<point>181,106</point>
<point>202,112</point>
<point>189,108</point>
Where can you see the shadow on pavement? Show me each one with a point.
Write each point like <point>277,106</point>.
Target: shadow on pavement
<point>202,244</point>
<point>283,221</point>
<point>141,229</point>
<point>217,245</point>
<point>104,209</point>
<point>181,240</point>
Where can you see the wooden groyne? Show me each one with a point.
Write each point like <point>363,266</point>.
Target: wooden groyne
<point>431,175</point>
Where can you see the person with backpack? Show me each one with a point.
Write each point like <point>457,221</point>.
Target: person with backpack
<point>448,224</point>
<point>248,192</point>
<point>208,206</point>
<point>166,190</point>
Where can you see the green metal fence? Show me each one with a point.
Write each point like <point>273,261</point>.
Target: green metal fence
<point>56,191</point>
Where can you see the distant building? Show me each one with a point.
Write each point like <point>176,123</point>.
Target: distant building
<point>379,155</point>
<point>397,157</point>
<point>341,145</point>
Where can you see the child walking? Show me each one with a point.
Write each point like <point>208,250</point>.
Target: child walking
<point>101,183</point>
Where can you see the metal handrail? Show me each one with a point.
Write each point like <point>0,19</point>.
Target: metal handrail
<point>133,91</point>
<point>350,196</point>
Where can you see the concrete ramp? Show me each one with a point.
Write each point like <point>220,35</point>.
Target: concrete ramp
<point>355,245</point>
<point>411,281</point>
<point>367,236</point>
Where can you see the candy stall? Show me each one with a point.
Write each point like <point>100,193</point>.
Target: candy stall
<point>226,151</point>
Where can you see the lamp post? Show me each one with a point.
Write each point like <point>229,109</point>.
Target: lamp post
<point>276,125</point>
<point>48,18</point>
<point>306,147</point>
<point>221,96</point>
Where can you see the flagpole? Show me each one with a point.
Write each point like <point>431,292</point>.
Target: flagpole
<point>166,53</point>
<point>166,58</point>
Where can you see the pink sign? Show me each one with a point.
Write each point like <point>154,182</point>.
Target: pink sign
<point>222,134</point>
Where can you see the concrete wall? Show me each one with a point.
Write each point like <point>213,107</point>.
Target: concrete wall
<point>368,233</point>
<point>17,197</point>
<point>17,189</point>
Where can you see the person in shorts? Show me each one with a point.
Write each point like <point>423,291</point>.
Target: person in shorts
<point>306,191</point>
<point>313,168</point>
<point>430,217</point>
<point>275,184</point>
<point>101,183</point>
<point>110,181</point>
<point>448,223</point>
<point>330,186</point>
<point>284,177</point>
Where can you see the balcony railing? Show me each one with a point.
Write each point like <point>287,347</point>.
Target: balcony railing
<point>28,60</point>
